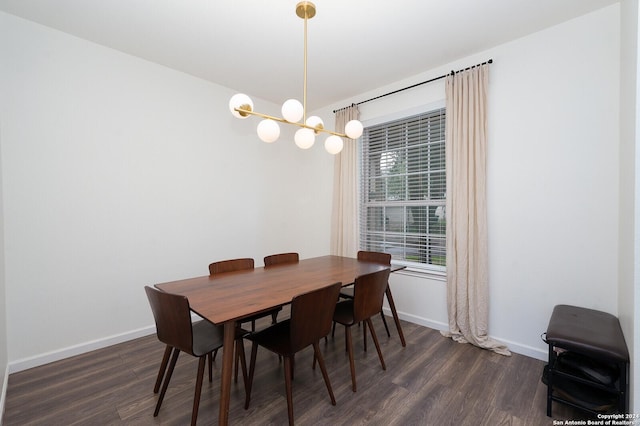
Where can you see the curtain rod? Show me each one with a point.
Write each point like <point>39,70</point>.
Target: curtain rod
<point>490,61</point>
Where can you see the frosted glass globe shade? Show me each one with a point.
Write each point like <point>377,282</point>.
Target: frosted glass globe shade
<point>292,110</point>
<point>268,130</point>
<point>304,138</point>
<point>238,100</point>
<point>314,121</point>
<point>353,129</point>
<point>333,144</point>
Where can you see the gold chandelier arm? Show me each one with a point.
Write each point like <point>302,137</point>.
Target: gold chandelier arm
<point>246,112</point>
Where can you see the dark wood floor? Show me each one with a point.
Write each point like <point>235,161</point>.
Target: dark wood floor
<point>433,381</point>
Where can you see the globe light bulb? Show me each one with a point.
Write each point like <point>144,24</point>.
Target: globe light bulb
<point>304,138</point>
<point>292,110</point>
<point>240,100</point>
<point>268,130</point>
<point>353,129</point>
<point>315,122</point>
<point>333,144</point>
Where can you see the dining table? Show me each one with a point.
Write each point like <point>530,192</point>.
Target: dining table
<point>227,298</point>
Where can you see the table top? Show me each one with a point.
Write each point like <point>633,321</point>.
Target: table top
<point>234,295</point>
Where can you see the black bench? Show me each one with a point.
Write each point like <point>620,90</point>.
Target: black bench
<point>588,361</point>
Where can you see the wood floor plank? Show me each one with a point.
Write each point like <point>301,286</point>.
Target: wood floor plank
<point>432,381</point>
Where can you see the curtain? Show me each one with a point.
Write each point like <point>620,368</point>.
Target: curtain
<point>344,214</point>
<point>466,209</point>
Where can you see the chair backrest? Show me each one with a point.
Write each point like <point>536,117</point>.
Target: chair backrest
<point>375,256</point>
<point>312,315</point>
<point>173,319</point>
<point>230,265</point>
<point>368,294</point>
<point>276,259</point>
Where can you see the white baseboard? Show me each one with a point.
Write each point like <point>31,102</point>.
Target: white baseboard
<point>530,351</point>
<point>46,358</point>
<point>436,325</point>
<point>515,347</point>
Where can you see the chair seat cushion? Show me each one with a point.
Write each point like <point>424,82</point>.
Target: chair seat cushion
<point>275,338</point>
<point>344,312</point>
<point>206,337</point>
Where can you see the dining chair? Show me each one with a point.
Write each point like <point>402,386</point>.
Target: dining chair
<point>241,264</point>
<point>374,257</point>
<point>231,265</point>
<point>174,328</point>
<point>165,361</point>
<point>310,320</point>
<point>368,293</point>
<point>277,259</point>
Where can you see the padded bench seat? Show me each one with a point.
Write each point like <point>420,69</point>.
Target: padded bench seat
<point>592,334</point>
<point>589,332</point>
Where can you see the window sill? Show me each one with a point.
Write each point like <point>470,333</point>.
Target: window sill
<point>431,274</point>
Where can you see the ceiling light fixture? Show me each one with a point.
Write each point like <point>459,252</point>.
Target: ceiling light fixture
<point>293,111</point>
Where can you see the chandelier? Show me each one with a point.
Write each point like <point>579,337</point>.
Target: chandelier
<point>293,111</point>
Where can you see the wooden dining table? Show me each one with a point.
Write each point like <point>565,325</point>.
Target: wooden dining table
<point>231,296</point>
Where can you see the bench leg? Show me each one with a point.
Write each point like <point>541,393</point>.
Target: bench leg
<point>552,360</point>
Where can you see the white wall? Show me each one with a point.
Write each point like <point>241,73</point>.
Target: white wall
<point>553,180</point>
<point>119,173</point>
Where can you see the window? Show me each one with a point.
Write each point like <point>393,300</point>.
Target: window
<point>403,184</point>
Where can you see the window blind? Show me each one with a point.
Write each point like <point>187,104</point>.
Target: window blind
<point>403,187</point>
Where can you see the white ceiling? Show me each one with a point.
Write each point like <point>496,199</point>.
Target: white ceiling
<point>256,46</point>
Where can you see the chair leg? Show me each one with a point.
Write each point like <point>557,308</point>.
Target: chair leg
<point>288,367</point>
<point>210,362</point>
<point>352,364</point>
<point>252,367</point>
<point>167,378</point>
<point>293,364</point>
<point>323,368</point>
<point>196,395</point>
<point>384,321</point>
<point>364,335</point>
<point>375,340</point>
<point>346,341</point>
<point>163,367</point>
<point>236,358</point>
<point>394,313</point>
<point>215,353</point>
<point>243,360</point>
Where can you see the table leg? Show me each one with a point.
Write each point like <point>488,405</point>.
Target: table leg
<point>392,306</point>
<point>227,368</point>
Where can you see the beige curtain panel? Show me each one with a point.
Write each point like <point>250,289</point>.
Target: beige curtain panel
<point>466,210</point>
<point>344,215</point>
